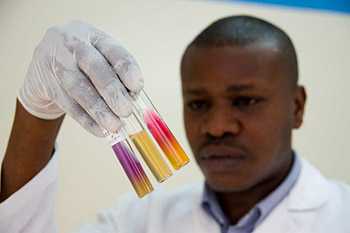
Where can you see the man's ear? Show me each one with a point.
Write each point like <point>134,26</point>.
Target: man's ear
<point>299,106</point>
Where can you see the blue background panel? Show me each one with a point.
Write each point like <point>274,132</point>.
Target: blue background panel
<point>333,5</point>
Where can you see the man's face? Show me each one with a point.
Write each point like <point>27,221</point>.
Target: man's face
<point>239,110</point>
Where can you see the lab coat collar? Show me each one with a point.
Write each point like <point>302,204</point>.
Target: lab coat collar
<point>310,192</point>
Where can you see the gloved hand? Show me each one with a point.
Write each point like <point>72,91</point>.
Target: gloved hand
<point>75,70</point>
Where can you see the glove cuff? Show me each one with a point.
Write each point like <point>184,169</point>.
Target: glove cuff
<point>47,110</point>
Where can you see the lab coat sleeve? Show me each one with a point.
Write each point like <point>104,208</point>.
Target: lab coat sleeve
<point>121,217</point>
<point>104,224</point>
<point>31,208</point>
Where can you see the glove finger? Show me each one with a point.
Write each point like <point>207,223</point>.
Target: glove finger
<point>74,110</point>
<point>122,62</point>
<point>78,87</point>
<point>100,73</point>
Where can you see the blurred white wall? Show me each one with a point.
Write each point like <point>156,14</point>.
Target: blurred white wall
<point>156,32</point>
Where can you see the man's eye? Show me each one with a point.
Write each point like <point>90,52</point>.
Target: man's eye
<point>245,101</point>
<point>197,105</point>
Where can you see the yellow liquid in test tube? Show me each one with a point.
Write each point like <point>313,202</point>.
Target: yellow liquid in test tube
<point>151,155</point>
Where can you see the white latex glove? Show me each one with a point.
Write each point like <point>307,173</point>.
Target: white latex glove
<point>75,70</point>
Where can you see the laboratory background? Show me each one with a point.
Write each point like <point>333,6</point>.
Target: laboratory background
<point>156,33</point>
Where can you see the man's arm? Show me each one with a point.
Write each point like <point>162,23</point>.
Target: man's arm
<point>30,147</point>
<point>76,70</point>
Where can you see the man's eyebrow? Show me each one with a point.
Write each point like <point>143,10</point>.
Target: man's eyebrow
<point>195,91</point>
<point>239,87</point>
<point>230,88</point>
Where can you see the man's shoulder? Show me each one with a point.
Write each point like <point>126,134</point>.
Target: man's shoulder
<point>315,174</point>
<point>340,192</point>
<point>313,182</point>
<point>336,210</point>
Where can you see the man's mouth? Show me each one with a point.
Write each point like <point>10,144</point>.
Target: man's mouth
<point>219,158</point>
<point>221,151</point>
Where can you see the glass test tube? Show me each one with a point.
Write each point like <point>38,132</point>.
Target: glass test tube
<point>130,164</point>
<point>148,150</point>
<point>160,131</point>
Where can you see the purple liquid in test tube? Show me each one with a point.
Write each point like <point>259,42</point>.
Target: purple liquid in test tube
<point>131,165</point>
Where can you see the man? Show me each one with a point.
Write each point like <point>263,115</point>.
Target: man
<point>241,102</point>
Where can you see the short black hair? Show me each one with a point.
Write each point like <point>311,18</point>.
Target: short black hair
<point>243,30</point>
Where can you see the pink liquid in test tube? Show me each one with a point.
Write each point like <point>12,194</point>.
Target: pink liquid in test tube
<point>161,133</point>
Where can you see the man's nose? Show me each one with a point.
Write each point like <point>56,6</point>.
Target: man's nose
<point>221,121</point>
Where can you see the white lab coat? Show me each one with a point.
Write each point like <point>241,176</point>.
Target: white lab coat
<point>314,205</point>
